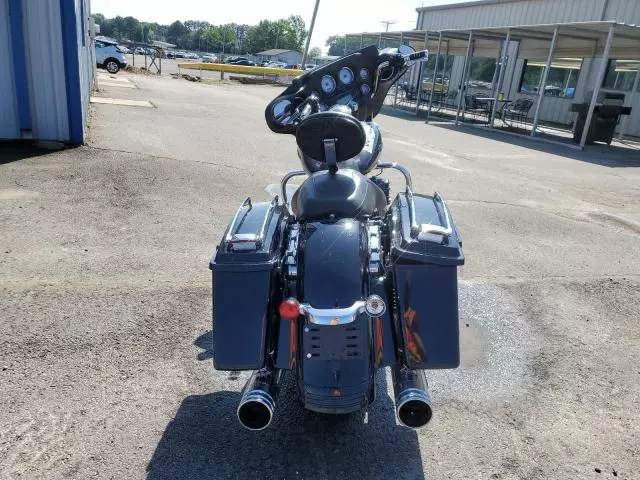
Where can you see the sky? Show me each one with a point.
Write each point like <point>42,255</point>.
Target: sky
<point>334,16</point>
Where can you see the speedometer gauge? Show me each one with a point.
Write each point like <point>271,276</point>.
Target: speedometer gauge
<point>364,88</point>
<point>364,73</point>
<point>328,84</point>
<point>345,75</point>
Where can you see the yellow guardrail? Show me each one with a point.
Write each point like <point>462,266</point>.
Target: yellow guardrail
<point>224,67</point>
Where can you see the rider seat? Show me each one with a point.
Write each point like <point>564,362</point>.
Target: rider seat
<point>343,194</point>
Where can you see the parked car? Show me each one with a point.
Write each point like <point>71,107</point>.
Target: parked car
<point>171,55</point>
<point>180,54</point>
<point>292,66</point>
<point>310,66</point>
<point>276,65</point>
<point>193,56</point>
<point>245,62</point>
<point>209,59</point>
<point>110,56</point>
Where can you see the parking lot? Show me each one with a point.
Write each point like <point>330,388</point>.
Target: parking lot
<point>105,297</point>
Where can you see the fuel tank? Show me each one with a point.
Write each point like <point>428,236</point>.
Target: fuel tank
<point>335,372</point>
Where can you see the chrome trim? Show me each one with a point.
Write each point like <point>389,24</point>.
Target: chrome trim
<point>249,241</point>
<point>291,254</point>
<point>283,185</point>
<point>374,249</point>
<point>332,316</point>
<point>229,236</point>
<point>430,229</point>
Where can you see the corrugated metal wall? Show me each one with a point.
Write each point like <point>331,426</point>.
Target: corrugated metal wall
<point>45,69</point>
<point>9,125</point>
<point>530,12</point>
<point>86,54</point>
<point>42,93</point>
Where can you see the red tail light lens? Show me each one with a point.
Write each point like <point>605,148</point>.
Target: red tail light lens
<point>290,309</point>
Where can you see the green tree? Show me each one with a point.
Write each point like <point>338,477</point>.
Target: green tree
<point>314,52</point>
<point>177,34</point>
<point>337,46</point>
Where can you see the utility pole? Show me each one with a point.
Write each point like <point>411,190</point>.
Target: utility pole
<point>313,21</point>
<point>386,23</point>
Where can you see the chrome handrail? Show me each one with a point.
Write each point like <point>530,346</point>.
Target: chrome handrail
<point>413,226</point>
<point>283,185</point>
<point>332,316</point>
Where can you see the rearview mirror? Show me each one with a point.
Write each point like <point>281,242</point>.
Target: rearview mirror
<point>406,49</point>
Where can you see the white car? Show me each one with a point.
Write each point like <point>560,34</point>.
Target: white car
<point>209,59</point>
<point>110,56</point>
<point>276,65</point>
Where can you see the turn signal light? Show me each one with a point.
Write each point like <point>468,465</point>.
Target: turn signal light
<point>290,309</point>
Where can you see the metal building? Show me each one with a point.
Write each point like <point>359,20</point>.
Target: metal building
<point>48,64</point>
<point>551,54</point>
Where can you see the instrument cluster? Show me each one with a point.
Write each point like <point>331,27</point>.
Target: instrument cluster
<point>341,83</point>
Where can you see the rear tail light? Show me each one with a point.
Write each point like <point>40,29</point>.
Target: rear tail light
<point>290,309</point>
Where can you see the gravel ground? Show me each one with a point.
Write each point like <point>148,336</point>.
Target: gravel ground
<point>105,297</point>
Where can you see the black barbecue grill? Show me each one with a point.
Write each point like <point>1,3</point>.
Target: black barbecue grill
<point>606,116</point>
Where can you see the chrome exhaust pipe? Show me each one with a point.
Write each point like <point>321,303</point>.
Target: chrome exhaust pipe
<point>258,402</point>
<point>411,392</point>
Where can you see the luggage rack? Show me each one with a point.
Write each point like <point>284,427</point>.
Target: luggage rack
<point>242,242</point>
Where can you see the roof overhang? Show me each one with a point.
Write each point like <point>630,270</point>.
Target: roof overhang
<point>576,39</point>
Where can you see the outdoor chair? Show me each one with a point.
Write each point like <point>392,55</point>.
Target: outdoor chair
<point>517,112</point>
<point>409,94</point>
<point>444,100</point>
<point>476,107</point>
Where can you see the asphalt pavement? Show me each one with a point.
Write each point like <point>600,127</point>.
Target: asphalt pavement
<point>105,297</point>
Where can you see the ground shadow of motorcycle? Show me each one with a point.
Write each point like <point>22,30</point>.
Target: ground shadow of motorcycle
<point>205,440</point>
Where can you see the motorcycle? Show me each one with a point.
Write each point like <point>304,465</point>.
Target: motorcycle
<point>339,280</point>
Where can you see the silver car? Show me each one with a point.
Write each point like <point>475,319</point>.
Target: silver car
<point>110,56</point>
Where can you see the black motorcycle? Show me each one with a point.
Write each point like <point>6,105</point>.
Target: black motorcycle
<point>338,281</point>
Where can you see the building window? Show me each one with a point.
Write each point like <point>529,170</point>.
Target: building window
<point>481,72</point>
<point>621,75</point>
<point>561,81</point>
<point>445,64</point>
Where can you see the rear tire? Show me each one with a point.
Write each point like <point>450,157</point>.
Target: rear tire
<point>112,65</point>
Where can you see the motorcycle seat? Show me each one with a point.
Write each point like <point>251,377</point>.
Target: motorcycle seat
<point>344,194</point>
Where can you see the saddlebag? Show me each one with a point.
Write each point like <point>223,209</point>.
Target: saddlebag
<point>244,270</point>
<point>425,261</point>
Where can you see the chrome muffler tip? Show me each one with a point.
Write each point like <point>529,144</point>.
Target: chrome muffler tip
<point>255,411</point>
<point>411,392</point>
<point>258,401</point>
<point>413,408</point>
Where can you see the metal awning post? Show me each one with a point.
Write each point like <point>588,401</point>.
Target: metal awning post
<point>420,68</point>
<point>596,90</point>
<point>543,81</point>
<point>632,96</point>
<point>380,41</point>
<point>435,73</point>
<point>361,40</point>
<point>467,61</point>
<point>345,46</point>
<point>503,67</point>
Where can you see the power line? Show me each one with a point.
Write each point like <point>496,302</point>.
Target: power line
<point>386,23</point>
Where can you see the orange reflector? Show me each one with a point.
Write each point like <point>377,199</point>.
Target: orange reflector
<point>290,309</point>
